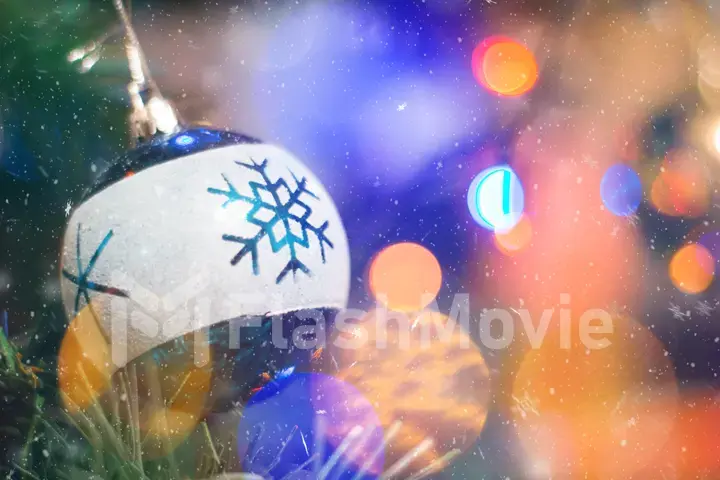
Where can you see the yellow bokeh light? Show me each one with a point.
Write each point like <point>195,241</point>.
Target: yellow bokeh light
<point>692,269</point>
<point>84,362</point>
<point>405,277</point>
<point>174,390</point>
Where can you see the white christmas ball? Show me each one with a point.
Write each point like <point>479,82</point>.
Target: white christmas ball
<point>200,228</point>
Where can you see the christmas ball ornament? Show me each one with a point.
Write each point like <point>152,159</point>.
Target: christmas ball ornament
<point>198,227</point>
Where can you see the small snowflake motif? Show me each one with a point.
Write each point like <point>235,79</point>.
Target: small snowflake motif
<point>633,219</point>
<point>704,308</point>
<point>280,215</point>
<point>402,107</point>
<point>677,313</point>
<point>68,207</point>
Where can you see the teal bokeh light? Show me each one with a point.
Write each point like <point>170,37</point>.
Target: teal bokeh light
<point>496,198</point>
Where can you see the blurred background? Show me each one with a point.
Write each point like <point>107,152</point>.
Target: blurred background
<point>606,113</point>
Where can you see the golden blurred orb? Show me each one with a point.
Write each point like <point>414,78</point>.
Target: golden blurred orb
<point>174,392</point>
<point>515,239</point>
<point>424,371</point>
<point>692,269</point>
<point>405,277</point>
<point>603,413</point>
<point>681,187</point>
<point>84,362</point>
<point>172,389</point>
<point>504,66</point>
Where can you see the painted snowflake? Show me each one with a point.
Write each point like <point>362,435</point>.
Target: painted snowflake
<point>82,279</point>
<point>281,216</point>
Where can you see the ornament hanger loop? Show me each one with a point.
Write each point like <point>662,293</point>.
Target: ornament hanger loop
<point>151,112</point>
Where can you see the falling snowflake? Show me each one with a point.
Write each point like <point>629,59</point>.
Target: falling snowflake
<point>633,219</point>
<point>280,215</point>
<point>82,278</point>
<point>617,310</point>
<point>704,308</point>
<point>402,107</point>
<point>68,207</point>
<point>677,313</point>
<point>588,160</point>
<point>525,405</point>
<point>332,464</point>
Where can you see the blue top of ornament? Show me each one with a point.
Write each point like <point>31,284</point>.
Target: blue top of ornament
<point>164,148</point>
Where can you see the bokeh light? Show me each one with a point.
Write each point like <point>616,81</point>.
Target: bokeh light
<point>692,450</point>
<point>692,269</point>
<point>681,187</point>
<point>602,413</point>
<point>84,363</point>
<point>172,388</point>
<point>405,277</point>
<point>174,383</point>
<point>515,239</point>
<point>293,419</point>
<point>621,190</point>
<point>716,138</point>
<point>505,66</point>
<point>423,371</point>
<point>184,140</point>
<point>496,199</point>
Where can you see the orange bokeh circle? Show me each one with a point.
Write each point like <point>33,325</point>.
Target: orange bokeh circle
<point>405,277</point>
<point>601,413</point>
<point>692,269</point>
<point>515,239</point>
<point>681,187</point>
<point>505,66</point>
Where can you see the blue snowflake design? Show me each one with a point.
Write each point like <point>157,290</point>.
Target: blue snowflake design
<point>82,279</point>
<point>281,216</point>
